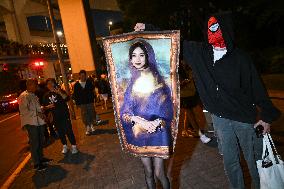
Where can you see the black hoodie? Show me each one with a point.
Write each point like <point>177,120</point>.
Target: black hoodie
<point>231,87</point>
<point>84,95</point>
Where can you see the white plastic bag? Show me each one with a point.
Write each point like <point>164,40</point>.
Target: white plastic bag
<point>271,167</point>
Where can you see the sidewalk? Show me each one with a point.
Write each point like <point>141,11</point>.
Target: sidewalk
<point>102,164</point>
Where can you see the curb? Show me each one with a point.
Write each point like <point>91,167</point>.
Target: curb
<point>13,176</point>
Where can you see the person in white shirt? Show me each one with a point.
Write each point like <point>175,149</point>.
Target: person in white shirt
<point>32,119</point>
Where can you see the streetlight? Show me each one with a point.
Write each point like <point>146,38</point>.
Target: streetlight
<point>109,25</point>
<point>59,33</point>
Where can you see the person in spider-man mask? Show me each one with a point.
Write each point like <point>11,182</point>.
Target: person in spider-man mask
<point>231,89</point>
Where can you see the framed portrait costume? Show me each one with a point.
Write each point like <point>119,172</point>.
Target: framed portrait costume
<point>142,71</point>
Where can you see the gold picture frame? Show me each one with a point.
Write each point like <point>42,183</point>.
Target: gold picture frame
<point>114,47</point>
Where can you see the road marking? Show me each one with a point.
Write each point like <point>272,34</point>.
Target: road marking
<point>13,176</point>
<point>3,120</point>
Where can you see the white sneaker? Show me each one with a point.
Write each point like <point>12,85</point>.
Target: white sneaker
<point>74,149</point>
<point>88,131</point>
<point>65,149</point>
<point>98,122</point>
<point>204,139</point>
<point>93,129</point>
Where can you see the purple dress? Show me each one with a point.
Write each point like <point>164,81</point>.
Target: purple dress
<point>156,104</point>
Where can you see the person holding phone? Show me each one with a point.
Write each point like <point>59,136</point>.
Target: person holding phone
<point>55,100</point>
<point>32,120</point>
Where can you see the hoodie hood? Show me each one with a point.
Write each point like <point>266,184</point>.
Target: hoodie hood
<point>226,26</point>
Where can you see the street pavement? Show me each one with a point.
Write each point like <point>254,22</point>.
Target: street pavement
<point>13,144</point>
<point>102,164</point>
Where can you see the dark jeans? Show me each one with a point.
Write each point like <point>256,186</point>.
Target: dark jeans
<point>49,131</point>
<point>88,114</point>
<point>232,134</point>
<point>64,127</point>
<point>36,137</point>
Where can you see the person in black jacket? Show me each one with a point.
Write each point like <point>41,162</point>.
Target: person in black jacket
<point>84,98</point>
<point>103,90</point>
<point>41,91</point>
<point>60,112</point>
<point>231,90</point>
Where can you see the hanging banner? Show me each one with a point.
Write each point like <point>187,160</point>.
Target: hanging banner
<point>143,74</point>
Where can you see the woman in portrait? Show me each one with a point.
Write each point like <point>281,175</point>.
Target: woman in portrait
<point>147,112</point>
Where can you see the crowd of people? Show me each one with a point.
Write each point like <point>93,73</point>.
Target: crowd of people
<point>45,113</point>
<point>227,83</point>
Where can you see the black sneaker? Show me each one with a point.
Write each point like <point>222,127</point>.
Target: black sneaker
<point>45,160</point>
<point>40,167</point>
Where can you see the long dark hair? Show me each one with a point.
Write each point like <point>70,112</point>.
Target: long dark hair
<point>142,46</point>
<point>150,60</point>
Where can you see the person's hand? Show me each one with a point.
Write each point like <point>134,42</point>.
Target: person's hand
<point>60,92</point>
<point>137,119</point>
<point>150,127</point>
<point>156,123</point>
<point>145,124</point>
<point>57,90</point>
<point>266,126</point>
<point>139,27</point>
<point>48,107</point>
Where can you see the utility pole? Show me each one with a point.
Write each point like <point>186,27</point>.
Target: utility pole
<point>60,57</point>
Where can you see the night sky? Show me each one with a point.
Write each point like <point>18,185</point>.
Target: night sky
<point>101,19</point>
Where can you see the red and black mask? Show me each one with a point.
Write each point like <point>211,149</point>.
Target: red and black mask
<point>215,36</point>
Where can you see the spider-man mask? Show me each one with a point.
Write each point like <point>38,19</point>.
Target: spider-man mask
<point>215,37</point>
